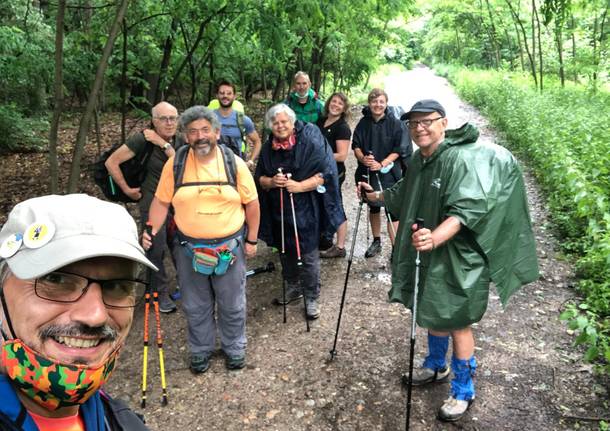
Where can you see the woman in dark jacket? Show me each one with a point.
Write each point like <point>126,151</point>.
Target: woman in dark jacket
<point>293,163</point>
<point>335,129</point>
<point>376,145</point>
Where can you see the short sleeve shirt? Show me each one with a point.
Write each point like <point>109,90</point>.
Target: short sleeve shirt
<point>231,128</point>
<point>210,211</point>
<point>337,131</point>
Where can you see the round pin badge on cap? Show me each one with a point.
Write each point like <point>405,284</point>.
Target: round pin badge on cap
<point>11,245</point>
<point>38,234</point>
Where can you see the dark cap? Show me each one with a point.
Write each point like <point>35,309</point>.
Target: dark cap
<point>426,106</point>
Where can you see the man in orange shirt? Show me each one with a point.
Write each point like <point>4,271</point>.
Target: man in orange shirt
<point>217,229</point>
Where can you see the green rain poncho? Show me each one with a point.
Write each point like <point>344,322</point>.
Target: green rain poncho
<point>482,186</point>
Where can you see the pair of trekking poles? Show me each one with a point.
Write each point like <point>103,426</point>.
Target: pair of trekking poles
<point>296,240</point>
<point>333,352</point>
<point>151,300</point>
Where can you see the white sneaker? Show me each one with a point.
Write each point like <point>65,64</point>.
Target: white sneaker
<point>453,409</point>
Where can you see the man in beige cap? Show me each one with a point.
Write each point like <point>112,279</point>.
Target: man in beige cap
<point>68,288</point>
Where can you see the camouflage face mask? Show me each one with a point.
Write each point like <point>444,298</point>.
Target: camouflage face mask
<point>49,383</point>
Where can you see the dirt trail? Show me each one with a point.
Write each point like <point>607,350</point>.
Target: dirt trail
<point>529,376</point>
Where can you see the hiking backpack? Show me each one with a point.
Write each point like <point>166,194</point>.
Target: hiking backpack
<point>134,171</point>
<point>228,158</point>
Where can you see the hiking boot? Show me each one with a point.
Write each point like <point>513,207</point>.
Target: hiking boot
<point>423,376</point>
<point>453,409</point>
<point>292,294</point>
<point>334,251</point>
<point>166,305</point>
<point>313,308</point>
<point>236,362</point>
<point>200,363</point>
<point>374,249</point>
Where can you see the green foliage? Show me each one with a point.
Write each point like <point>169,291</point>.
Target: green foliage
<point>563,132</point>
<point>18,132</point>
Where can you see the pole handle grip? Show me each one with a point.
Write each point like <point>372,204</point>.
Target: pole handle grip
<point>419,222</point>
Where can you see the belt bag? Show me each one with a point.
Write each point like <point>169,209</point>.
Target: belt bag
<point>211,259</point>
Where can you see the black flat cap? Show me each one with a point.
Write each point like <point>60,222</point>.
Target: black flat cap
<point>426,105</point>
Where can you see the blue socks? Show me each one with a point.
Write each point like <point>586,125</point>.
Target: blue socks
<point>437,352</point>
<point>462,386</point>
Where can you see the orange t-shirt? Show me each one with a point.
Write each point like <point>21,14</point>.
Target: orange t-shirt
<point>70,423</point>
<point>207,212</point>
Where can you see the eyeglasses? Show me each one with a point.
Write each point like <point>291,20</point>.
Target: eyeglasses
<point>412,124</point>
<point>167,119</point>
<point>66,287</point>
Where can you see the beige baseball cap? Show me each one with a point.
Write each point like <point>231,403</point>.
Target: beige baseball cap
<point>46,233</point>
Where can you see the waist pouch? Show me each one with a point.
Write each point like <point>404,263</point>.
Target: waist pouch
<point>211,259</point>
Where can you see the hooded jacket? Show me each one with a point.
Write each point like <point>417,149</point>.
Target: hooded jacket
<point>315,212</point>
<point>382,138</point>
<point>310,111</point>
<point>482,186</point>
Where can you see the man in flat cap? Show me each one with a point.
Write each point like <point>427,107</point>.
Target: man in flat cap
<point>476,229</point>
<point>68,287</point>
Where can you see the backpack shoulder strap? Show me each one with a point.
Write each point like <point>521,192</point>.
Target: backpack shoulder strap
<point>228,158</point>
<point>179,164</point>
<point>241,126</point>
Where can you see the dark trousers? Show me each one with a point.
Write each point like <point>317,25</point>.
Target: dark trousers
<point>306,276</point>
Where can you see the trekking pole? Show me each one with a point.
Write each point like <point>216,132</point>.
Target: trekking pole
<point>145,354</point>
<point>333,352</point>
<point>385,209</point>
<point>154,300</point>
<point>270,267</point>
<point>160,346</point>
<point>420,224</point>
<point>368,228</point>
<point>296,240</point>
<point>283,244</point>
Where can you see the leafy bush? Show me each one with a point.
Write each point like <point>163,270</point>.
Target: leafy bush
<point>18,133</point>
<point>563,132</point>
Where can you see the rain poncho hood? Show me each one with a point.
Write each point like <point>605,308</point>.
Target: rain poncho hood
<point>481,185</point>
<point>315,212</point>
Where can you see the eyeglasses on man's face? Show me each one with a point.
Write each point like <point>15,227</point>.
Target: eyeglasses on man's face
<point>412,124</point>
<point>167,119</point>
<point>65,287</point>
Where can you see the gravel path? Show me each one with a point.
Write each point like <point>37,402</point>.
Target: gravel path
<point>529,376</point>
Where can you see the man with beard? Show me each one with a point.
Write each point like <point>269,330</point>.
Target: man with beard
<point>217,228</point>
<point>68,289</point>
<point>235,124</point>
<point>162,136</point>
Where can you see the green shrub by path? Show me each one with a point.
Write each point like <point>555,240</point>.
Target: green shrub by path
<point>563,132</point>
<point>19,133</point>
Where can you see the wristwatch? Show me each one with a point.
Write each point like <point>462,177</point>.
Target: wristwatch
<point>167,146</point>
<point>251,242</point>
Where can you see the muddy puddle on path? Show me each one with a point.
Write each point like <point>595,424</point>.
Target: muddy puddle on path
<point>529,376</point>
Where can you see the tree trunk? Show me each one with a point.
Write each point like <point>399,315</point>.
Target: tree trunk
<point>188,57</point>
<point>520,47</point>
<point>159,79</point>
<point>123,85</point>
<point>527,49</point>
<point>493,36</point>
<point>58,97</point>
<point>83,128</point>
<point>559,40</point>
<point>535,12</point>
<point>573,37</point>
